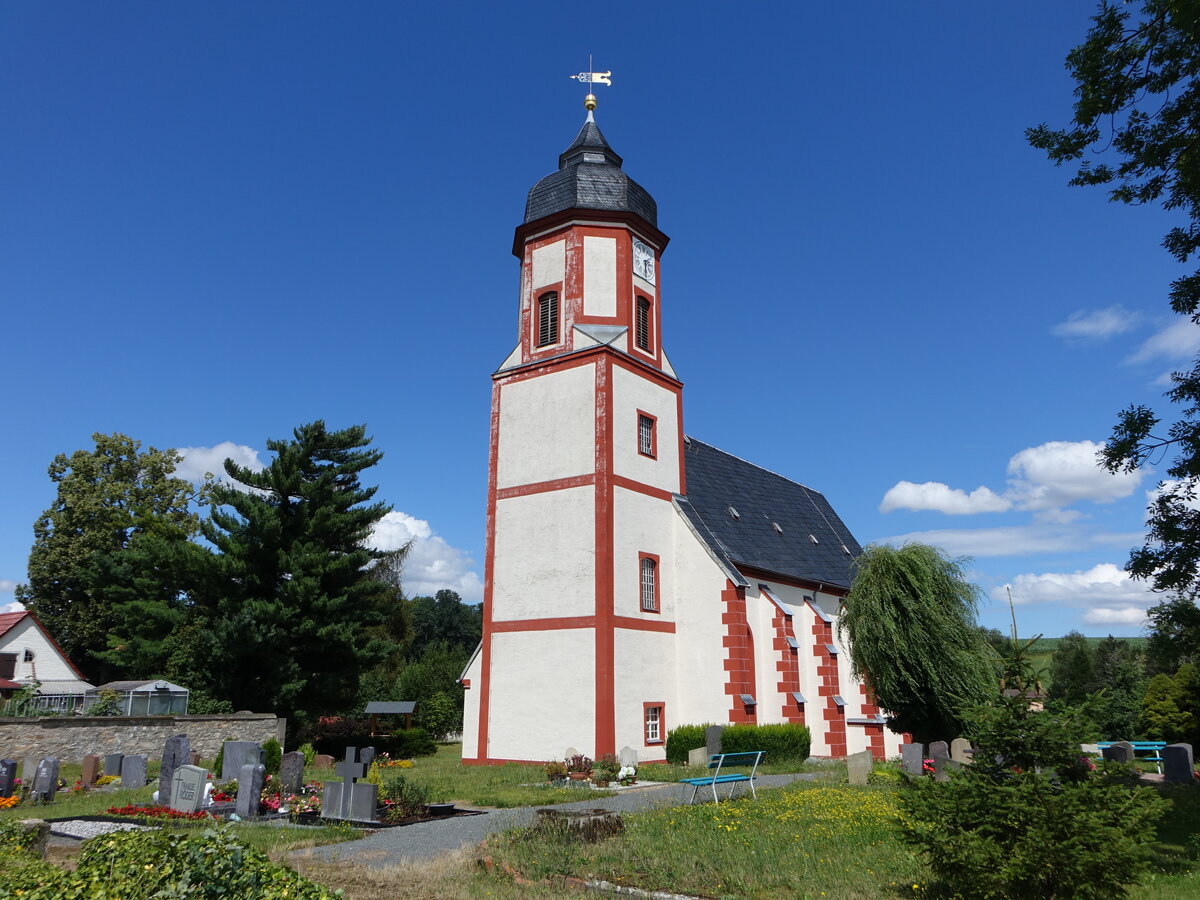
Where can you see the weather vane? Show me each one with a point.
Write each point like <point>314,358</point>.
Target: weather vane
<point>591,77</point>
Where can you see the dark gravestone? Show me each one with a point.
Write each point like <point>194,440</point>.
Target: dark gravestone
<point>45,780</point>
<point>238,754</point>
<point>112,764</point>
<point>712,739</point>
<point>291,772</point>
<point>1121,751</point>
<point>1178,766</point>
<point>348,800</point>
<point>176,752</point>
<point>939,748</point>
<point>133,772</point>
<point>250,785</point>
<point>912,759</point>
<point>8,774</point>
<point>91,769</point>
<point>187,788</point>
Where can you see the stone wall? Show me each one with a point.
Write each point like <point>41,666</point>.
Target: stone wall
<point>71,738</point>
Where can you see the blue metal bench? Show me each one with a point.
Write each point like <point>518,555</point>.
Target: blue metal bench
<point>1153,747</point>
<point>720,761</point>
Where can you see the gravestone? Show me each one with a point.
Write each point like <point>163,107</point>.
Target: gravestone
<point>45,780</point>
<point>1121,751</point>
<point>961,752</point>
<point>698,757</point>
<point>133,772</point>
<point>939,748</point>
<point>291,772</point>
<point>347,799</point>
<point>1178,767</point>
<point>176,752</point>
<point>323,761</point>
<point>942,766</point>
<point>112,764</point>
<point>858,766</point>
<point>628,757</point>
<point>912,759</point>
<point>91,769</point>
<point>712,739</point>
<point>28,769</point>
<point>8,774</point>
<point>193,758</point>
<point>237,754</point>
<point>250,785</point>
<point>570,751</point>
<point>187,788</point>
<point>366,756</point>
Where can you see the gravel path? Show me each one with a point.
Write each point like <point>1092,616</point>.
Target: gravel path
<point>427,840</point>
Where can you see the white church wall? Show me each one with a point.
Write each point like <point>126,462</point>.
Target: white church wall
<point>641,524</point>
<point>470,729</point>
<point>632,393</point>
<point>544,562</point>
<point>644,673</point>
<point>548,264</point>
<point>543,693</point>
<point>550,423</point>
<point>599,276</point>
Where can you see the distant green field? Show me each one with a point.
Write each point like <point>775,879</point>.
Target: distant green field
<point>1043,649</point>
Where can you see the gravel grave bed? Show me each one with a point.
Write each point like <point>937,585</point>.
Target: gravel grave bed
<point>82,829</point>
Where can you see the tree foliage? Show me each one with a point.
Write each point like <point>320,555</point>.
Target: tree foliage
<point>1072,670</point>
<point>910,617</point>
<point>1118,673</point>
<point>1136,129</point>
<point>287,601</point>
<point>109,501</point>
<point>1174,634</point>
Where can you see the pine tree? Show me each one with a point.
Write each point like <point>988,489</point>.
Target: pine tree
<point>1162,717</point>
<point>290,601</point>
<point>1072,670</point>
<point>1119,676</point>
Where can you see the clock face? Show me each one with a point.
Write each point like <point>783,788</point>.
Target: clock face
<point>643,261</point>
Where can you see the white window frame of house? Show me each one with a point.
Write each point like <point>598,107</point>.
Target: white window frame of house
<point>654,715</point>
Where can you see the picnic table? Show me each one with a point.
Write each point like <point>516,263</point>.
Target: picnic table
<point>1155,748</point>
<point>719,761</point>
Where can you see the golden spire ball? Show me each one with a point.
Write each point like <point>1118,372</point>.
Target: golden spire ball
<point>589,102</point>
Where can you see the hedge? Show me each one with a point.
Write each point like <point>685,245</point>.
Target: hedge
<point>402,744</point>
<point>683,739</point>
<point>782,743</point>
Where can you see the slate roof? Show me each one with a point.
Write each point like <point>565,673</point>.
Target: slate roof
<point>717,481</point>
<point>589,176</point>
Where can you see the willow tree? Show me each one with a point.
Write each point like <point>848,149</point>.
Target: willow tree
<point>910,619</point>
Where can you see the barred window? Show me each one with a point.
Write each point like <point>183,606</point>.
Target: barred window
<point>646,435</point>
<point>642,324</point>
<point>548,319</point>
<point>649,584</point>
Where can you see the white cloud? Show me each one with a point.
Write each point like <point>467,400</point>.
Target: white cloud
<point>431,564</point>
<point>7,585</point>
<point>1016,540</point>
<point>1060,473</point>
<point>1178,341</point>
<point>198,461</point>
<point>1095,324</point>
<point>12,607</point>
<point>934,495</point>
<point>1167,486</point>
<point>1106,593</point>
<point>1046,477</point>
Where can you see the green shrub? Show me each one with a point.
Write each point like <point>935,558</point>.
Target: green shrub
<point>412,742</point>
<point>272,756</point>
<point>782,743</point>
<point>401,744</point>
<point>139,865</point>
<point>403,797</point>
<point>683,739</point>
<point>310,753</point>
<point>108,703</point>
<point>1030,819</point>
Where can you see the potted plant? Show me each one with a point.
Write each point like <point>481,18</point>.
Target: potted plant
<point>579,767</point>
<point>605,770</point>
<point>627,775</point>
<point>556,771</point>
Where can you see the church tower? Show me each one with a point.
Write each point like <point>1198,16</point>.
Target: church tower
<point>586,455</point>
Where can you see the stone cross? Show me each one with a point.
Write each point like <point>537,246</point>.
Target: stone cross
<point>912,759</point>
<point>1178,764</point>
<point>91,769</point>
<point>176,752</point>
<point>250,785</point>
<point>187,788</point>
<point>348,800</point>
<point>352,767</point>
<point>8,774</point>
<point>45,780</point>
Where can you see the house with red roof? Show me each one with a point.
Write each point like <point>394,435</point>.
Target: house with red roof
<point>29,654</point>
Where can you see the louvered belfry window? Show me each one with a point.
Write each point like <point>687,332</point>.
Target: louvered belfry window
<point>548,319</point>
<point>649,584</point>
<point>642,325</point>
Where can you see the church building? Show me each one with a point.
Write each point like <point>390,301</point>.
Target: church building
<point>637,578</point>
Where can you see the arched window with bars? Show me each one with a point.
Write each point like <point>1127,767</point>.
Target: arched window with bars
<point>648,569</point>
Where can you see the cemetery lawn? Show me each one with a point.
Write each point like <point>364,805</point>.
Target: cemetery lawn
<point>807,840</point>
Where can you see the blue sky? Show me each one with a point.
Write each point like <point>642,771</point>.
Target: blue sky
<point>221,220</point>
